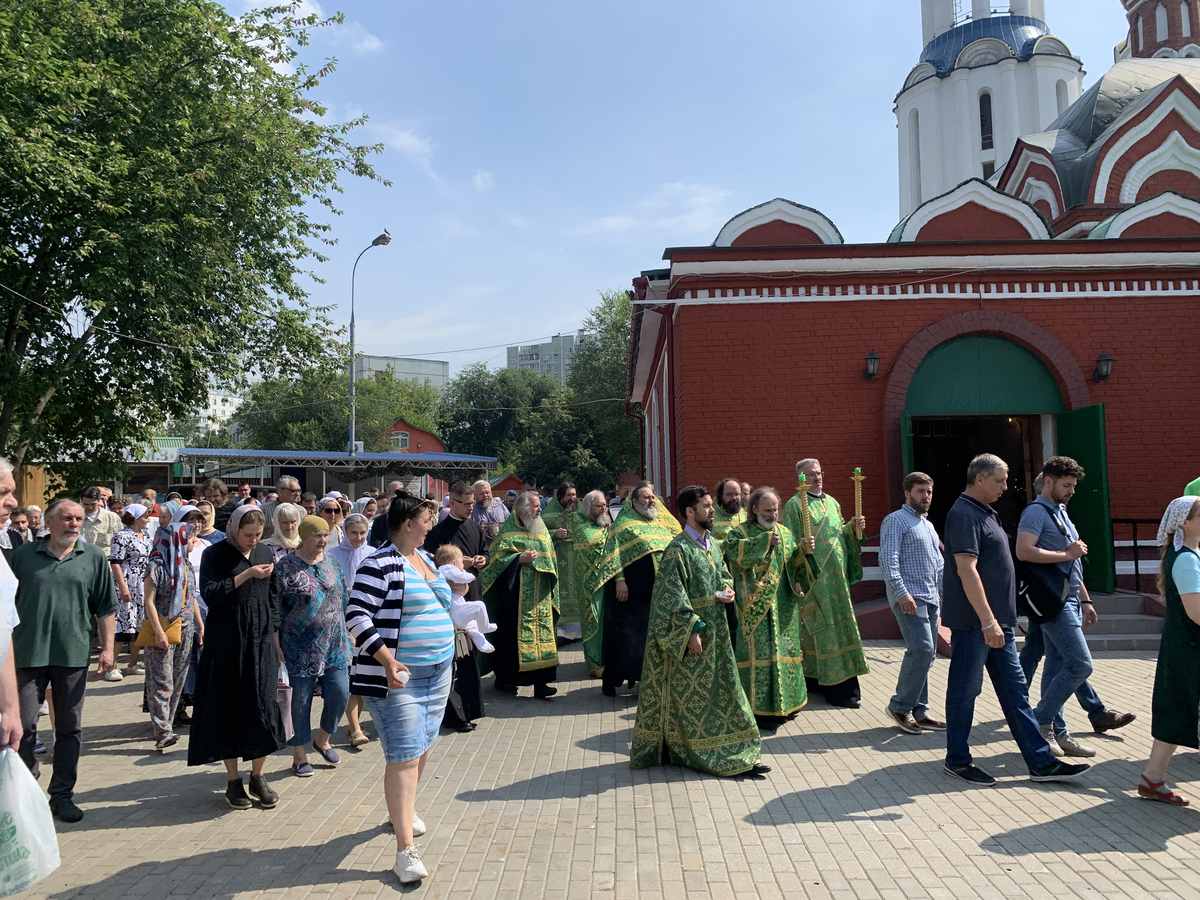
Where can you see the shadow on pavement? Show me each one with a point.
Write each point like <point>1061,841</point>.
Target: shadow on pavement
<point>229,873</point>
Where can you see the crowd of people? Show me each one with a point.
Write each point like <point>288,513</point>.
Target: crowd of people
<point>722,612</point>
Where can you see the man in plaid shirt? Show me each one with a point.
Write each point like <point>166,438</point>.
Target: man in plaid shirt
<point>910,554</point>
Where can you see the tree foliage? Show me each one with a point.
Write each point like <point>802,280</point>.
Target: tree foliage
<point>164,179</point>
<point>546,431</point>
<point>311,411</point>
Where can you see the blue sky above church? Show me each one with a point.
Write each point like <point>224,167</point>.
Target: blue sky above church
<point>542,151</point>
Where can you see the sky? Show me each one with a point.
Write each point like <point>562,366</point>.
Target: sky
<point>543,151</point>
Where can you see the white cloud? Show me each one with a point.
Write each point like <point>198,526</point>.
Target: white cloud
<point>674,208</point>
<point>408,142</point>
<point>361,40</point>
<point>483,181</point>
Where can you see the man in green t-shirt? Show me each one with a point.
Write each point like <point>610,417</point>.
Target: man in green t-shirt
<point>1193,489</point>
<point>63,583</point>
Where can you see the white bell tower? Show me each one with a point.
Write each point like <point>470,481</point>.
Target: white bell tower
<point>984,79</point>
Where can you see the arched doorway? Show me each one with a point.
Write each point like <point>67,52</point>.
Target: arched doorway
<point>980,394</point>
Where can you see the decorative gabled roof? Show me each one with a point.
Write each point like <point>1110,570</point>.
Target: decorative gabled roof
<point>779,221</point>
<point>983,196</point>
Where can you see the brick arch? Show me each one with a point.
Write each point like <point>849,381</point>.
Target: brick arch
<point>1052,353</point>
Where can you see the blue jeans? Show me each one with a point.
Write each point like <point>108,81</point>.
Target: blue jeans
<point>920,650</point>
<point>1031,655</point>
<point>335,691</point>
<point>1068,665</point>
<point>408,718</point>
<point>969,656</point>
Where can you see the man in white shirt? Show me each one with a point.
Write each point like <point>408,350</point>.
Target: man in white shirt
<point>10,713</point>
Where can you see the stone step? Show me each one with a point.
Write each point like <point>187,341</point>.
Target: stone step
<point>1122,604</point>
<point>1109,624</point>
<point>1105,642</point>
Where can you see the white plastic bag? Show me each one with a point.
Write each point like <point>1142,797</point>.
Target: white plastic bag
<point>28,843</point>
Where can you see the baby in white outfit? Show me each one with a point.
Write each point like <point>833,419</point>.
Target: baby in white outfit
<point>469,616</point>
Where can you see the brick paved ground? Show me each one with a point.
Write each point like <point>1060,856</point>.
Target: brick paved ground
<point>540,802</point>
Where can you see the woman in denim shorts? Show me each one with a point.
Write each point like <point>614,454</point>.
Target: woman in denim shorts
<point>399,618</point>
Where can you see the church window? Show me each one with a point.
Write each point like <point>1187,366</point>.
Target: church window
<point>989,169</point>
<point>1063,98</point>
<point>1185,18</point>
<point>400,440</point>
<point>986,141</point>
<point>1160,23</point>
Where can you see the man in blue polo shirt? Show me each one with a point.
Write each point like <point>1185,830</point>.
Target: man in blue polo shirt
<point>979,606</point>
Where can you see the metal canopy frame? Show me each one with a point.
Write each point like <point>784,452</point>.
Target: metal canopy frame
<point>358,463</point>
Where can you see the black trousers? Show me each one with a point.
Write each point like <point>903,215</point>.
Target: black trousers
<point>68,685</point>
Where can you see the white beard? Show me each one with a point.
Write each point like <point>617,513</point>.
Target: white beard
<point>646,512</point>
<point>604,520</point>
<point>537,526</point>
<point>766,523</point>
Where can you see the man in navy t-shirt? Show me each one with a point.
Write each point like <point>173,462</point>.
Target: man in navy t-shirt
<point>979,605</point>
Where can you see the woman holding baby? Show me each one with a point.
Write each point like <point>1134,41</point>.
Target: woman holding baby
<point>399,618</point>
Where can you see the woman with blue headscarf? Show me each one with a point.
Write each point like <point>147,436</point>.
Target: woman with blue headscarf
<point>172,620</point>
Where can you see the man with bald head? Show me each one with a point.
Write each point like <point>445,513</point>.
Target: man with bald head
<point>833,651</point>
<point>63,582</point>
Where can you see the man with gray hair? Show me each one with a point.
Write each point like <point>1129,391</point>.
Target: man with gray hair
<point>979,605</point>
<point>64,582</point>
<point>10,709</point>
<point>489,512</point>
<point>287,489</point>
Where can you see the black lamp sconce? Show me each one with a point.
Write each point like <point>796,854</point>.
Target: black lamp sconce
<point>872,366</point>
<point>1104,366</point>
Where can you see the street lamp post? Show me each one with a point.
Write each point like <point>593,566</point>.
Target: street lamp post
<point>381,240</point>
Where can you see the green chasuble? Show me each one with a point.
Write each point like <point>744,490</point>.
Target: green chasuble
<point>723,522</point>
<point>556,517</point>
<point>829,637</point>
<point>768,602</point>
<point>587,540</point>
<point>537,645</point>
<point>692,710</point>
<point>631,537</point>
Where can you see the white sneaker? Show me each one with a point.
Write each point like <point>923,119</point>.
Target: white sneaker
<point>1052,740</point>
<point>409,868</point>
<point>1072,747</point>
<point>418,825</point>
<point>114,675</point>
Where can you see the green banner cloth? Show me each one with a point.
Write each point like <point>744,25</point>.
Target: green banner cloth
<point>537,644</point>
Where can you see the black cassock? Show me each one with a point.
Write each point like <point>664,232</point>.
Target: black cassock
<point>236,713</point>
<point>505,602</point>
<point>625,624</point>
<point>466,700</point>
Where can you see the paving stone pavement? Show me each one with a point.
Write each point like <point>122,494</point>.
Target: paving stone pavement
<point>540,802</point>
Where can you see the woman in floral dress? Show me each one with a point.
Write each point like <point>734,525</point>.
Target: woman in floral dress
<point>130,560</point>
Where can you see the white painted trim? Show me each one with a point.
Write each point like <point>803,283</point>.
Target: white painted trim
<point>982,193</point>
<point>983,52</point>
<point>1163,203</point>
<point>1035,190</point>
<point>1071,290</point>
<point>922,265</point>
<point>1078,230</point>
<point>1151,544</point>
<point>783,211</point>
<point>1049,436</point>
<point>1173,153</point>
<point>1146,566</point>
<point>1028,157</point>
<point>1175,102</point>
<point>666,419</point>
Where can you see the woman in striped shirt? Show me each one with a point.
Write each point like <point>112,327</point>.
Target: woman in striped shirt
<point>399,618</point>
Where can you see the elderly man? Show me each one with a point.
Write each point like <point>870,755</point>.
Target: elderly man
<point>626,576</point>
<point>10,707</point>
<point>216,492</point>
<point>99,525</point>
<point>287,490</point>
<point>63,583</point>
<point>979,605</point>
<point>693,710</point>
<point>730,509</point>
<point>833,651</point>
<point>489,512</point>
<point>520,587</point>
<point>589,533</point>
<point>768,577</point>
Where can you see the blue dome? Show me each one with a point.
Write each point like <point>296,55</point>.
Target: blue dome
<point>1019,32</point>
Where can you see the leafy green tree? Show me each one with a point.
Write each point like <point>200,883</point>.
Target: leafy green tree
<point>165,180</point>
<point>311,411</point>
<point>491,413</point>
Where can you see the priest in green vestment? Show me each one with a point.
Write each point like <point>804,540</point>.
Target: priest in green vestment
<point>589,533</point>
<point>833,650</point>
<point>729,509</point>
<point>768,576</point>
<point>692,710</point>
<point>625,579</point>
<point>559,515</point>
<point>520,588</point>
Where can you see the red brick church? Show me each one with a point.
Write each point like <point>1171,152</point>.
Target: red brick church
<point>1049,302</point>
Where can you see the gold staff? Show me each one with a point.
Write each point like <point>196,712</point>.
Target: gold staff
<point>858,478</point>
<point>805,522</point>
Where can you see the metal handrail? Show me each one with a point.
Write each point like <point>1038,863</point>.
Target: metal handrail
<point>1137,548</point>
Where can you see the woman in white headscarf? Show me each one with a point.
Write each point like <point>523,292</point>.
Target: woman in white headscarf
<point>348,556</point>
<point>364,506</point>
<point>285,529</point>
<point>1175,720</point>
